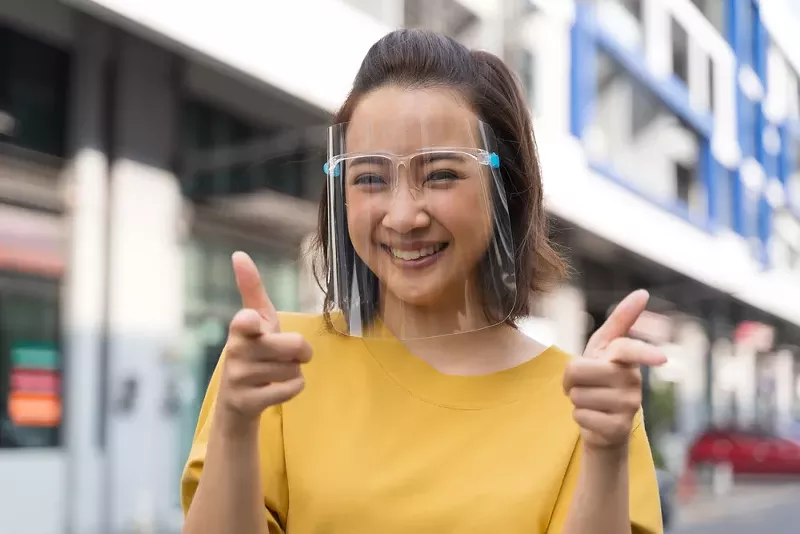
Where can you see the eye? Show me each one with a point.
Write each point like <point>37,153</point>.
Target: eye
<point>444,175</point>
<point>370,179</point>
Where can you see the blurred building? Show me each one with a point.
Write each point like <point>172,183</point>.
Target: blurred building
<point>142,142</point>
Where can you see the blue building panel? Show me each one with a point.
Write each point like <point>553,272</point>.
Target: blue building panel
<point>589,39</point>
<point>749,214</point>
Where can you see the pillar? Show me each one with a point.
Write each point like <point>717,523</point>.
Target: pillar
<point>566,308</point>
<point>784,373</point>
<point>84,283</point>
<point>146,289</point>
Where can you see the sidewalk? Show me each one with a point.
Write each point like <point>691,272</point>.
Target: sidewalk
<point>744,499</point>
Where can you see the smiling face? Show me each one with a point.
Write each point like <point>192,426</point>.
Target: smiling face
<point>419,201</point>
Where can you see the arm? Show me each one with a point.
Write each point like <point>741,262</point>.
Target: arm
<point>600,501</point>
<point>234,485</point>
<point>609,495</point>
<point>229,498</point>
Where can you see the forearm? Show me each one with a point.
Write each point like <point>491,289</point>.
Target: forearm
<point>601,499</point>
<point>229,497</point>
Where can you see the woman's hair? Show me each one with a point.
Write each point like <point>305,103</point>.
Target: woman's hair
<point>418,59</point>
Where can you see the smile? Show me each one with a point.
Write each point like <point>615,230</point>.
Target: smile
<point>416,257</point>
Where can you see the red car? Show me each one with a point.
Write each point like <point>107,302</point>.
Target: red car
<point>748,452</point>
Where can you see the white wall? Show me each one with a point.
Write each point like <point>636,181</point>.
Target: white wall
<point>33,499</point>
<point>315,61</point>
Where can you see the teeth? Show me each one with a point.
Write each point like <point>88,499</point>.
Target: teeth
<point>409,255</point>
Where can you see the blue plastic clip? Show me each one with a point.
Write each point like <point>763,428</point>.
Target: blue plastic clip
<point>336,170</point>
<point>494,160</point>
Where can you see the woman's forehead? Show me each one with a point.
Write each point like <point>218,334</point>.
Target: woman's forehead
<point>401,121</point>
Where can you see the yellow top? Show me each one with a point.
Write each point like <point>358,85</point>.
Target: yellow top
<point>380,442</point>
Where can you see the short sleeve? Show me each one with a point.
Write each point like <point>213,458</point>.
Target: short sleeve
<point>272,468</point>
<point>645,505</point>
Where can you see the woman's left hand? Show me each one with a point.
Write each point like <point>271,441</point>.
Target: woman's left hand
<point>605,385</point>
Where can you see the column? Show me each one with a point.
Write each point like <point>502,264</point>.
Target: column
<point>146,290</point>
<point>745,358</point>
<point>566,307</point>
<point>783,370</point>
<point>723,384</point>
<point>84,283</point>
<point>694,346</point>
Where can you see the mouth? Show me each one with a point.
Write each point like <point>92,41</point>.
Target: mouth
<point>418,257</point>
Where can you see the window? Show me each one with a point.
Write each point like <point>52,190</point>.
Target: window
<point>636,138</point>
<point>238,157</point>
<point>680,52</point>
<point>715,11</point>
<point>527,74</point>
<point>34,82</point>
<point>30,364</point>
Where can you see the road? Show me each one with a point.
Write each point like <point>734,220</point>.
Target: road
<point>775,513</point>
<point>782,518</point>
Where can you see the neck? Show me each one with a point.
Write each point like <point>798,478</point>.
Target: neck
<point>449,315</point>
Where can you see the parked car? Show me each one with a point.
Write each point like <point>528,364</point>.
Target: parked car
<point>747,452</point>
<point>666,492</point>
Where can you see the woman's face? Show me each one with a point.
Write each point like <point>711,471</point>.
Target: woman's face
<point>420,221</point>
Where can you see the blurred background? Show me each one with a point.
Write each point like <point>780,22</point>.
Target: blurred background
<point>142,142</point>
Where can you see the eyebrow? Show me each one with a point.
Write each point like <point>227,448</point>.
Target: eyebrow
<point>369,160</point>
<point>427,157</point>
<point>430,157</point>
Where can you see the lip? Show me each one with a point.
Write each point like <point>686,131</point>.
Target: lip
<point>417,264</point>
<point>412,245</point>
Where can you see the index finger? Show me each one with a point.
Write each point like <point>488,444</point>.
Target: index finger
<point>251,288</point>
<point>622,318</point>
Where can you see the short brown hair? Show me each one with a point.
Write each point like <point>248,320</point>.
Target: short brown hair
<point>412,59</point>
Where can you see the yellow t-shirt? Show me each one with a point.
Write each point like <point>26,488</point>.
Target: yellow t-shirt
<point>380,442</point>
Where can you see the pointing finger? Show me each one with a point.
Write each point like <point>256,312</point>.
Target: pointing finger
<point>621,319</point>
<point>251,288</point>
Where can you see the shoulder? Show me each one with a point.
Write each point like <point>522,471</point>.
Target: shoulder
<point>306,324</point>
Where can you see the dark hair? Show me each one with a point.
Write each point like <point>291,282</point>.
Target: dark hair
<point>412,58</point>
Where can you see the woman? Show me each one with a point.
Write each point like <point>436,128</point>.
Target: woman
<point>424,409</point>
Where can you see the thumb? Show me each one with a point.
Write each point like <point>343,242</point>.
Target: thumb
<point>621,319</point>
<point>251,289</point>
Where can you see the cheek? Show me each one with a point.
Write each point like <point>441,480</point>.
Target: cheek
<point>360,222</point>
<point>469,219</point>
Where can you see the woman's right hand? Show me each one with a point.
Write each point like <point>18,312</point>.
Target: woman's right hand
<point>262,364</point>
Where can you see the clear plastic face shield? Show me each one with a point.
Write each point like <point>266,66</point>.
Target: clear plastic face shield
<point>419,239</point>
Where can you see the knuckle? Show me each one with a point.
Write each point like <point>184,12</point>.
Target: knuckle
<point>633,401</point>
<point>236,347</point>
<point>635,376</point>
<point>295,342</point>
<point>236,372</point>
<point>622,426</point>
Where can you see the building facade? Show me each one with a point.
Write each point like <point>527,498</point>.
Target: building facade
<point>142,142</point>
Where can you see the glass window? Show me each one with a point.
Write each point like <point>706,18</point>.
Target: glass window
<point>208,130</point>
<point>30,367</point>
<point>634,136</point>
<point>34,83</point>
<point>715,11</point>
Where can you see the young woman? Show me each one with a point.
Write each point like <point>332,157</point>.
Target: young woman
<point>424,410</point>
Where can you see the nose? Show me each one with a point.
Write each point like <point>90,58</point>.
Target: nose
<point>405,212</point>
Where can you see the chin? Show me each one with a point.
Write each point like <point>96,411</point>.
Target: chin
<point>415,294</point>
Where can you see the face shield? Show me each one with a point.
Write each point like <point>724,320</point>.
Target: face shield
<point>419,239</point>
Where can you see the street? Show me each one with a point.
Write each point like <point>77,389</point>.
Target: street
<point>782,518</point>
<point>764,511</point>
